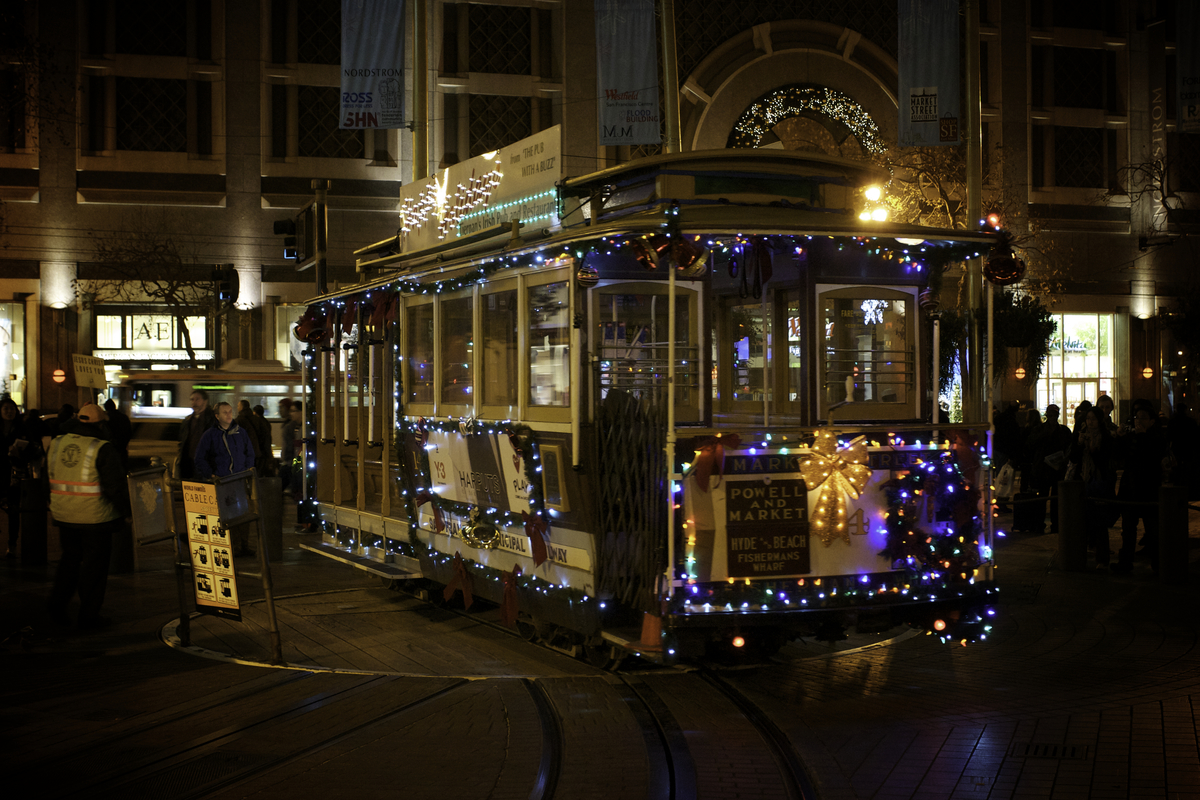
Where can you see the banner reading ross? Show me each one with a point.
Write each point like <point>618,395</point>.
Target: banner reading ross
<point>372,64</point>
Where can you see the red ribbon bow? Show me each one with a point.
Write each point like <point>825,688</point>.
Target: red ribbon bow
<point>424,497</point>
<point>460,582</point>
<point>508,606</point>
<point>710,458</point>
<point>535,529</point>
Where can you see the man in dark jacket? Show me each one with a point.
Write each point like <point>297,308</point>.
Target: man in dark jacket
<point>222,451</point>
<point>1143,449</point>
<point>89,500</point>
<point>119,428</point>
<point>201,419</point>
<point>260,431</point>
<point>1048,447</point>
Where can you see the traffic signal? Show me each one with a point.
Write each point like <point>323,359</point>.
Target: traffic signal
<point>226,279</point>
<point>287,229</point>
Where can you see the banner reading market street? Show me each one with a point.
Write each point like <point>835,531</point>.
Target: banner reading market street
<point>372,64</point>
<point>626,72</point>
<point>928,62</point>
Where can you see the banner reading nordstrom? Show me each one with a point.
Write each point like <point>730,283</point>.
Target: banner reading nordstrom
<point>627,72</point>
<point>928,61</point>
<point>372,64</point>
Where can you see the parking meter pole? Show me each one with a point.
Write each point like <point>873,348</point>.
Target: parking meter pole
<point>270,510</point>
<point>183,583</point>
<point>1072,535</point>
<point>269,594</point>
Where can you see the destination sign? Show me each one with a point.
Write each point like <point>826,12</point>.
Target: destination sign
<point>766,527</point>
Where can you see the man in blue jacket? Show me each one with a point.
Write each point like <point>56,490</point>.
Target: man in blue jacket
<point>224,450</point>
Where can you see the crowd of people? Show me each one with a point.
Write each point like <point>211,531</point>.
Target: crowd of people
<point>76,462</point>
<point>1122,467</point>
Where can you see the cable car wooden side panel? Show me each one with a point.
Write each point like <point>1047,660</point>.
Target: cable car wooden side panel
<point>694,409</point>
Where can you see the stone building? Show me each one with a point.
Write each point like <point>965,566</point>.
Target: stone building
<point>200,124</point>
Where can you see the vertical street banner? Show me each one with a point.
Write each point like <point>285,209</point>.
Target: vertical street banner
<point>1187,55</point>
<point>372,64</point>
<point>928,60</point>
<point>213,580</point>
<point>626,73</point>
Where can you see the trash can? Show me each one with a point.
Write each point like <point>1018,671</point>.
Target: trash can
<point>270,515</point>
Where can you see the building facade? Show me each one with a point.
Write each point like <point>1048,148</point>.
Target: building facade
<point>194,126</point>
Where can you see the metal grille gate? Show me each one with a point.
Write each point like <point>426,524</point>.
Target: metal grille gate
<point>632,545</point>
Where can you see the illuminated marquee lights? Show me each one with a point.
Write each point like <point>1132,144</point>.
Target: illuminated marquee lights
<point>527,200</point>
<point>791,101</point>
<point>433,201</point>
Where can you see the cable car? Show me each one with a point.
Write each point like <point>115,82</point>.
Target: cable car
<point>652,409</point>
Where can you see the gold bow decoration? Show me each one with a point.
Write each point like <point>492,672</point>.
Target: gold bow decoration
<point>837,473</point>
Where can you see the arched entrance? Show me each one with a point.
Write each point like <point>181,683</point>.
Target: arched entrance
<point>816,118</point>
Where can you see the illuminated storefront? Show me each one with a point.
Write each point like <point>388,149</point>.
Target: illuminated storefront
<point>132,340</point>
<point>12,351</point>
<point>1081,364</point>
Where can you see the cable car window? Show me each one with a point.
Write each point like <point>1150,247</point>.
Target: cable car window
<point>795,348</point>
<point>500,352</point>
<point>743,351</point>
<point>549,352</point>
<point>458,351</point>
<point>420,353</point>
<point>634,343</point>
<point>869,355</point>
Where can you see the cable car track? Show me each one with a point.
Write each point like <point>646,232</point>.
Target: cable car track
<point>275,733</point>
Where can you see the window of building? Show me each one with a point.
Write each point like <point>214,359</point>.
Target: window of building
<point>1080,366</point>
<point>149,337</point>
<point>500,39</point>
<point>496,121</point>
<point>1084,158</point>
<point>320,136</point>
<point>12,351</point>
<point>1079,77</point>
<point>12,109</point>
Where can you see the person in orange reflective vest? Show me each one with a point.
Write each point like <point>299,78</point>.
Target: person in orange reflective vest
<point>89,500</point>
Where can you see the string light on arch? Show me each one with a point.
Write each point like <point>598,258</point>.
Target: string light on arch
<point>791,101</point>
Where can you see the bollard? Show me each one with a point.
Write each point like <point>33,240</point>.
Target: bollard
<point>122,560</point>
<point>1072,535</point>
<point>270,512</point>
<point>33,523</point>
<point>1172,534</point>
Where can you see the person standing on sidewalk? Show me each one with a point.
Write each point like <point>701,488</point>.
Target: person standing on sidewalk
<point>1048,448</point>
<point>89,500</point>
<point>1093,456</point>
<point>1144,450</point>
<point>224,450</point>
<point>201,419</point>
<point>260,437</point>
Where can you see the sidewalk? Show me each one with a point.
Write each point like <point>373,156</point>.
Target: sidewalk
<point>1088,687</point>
